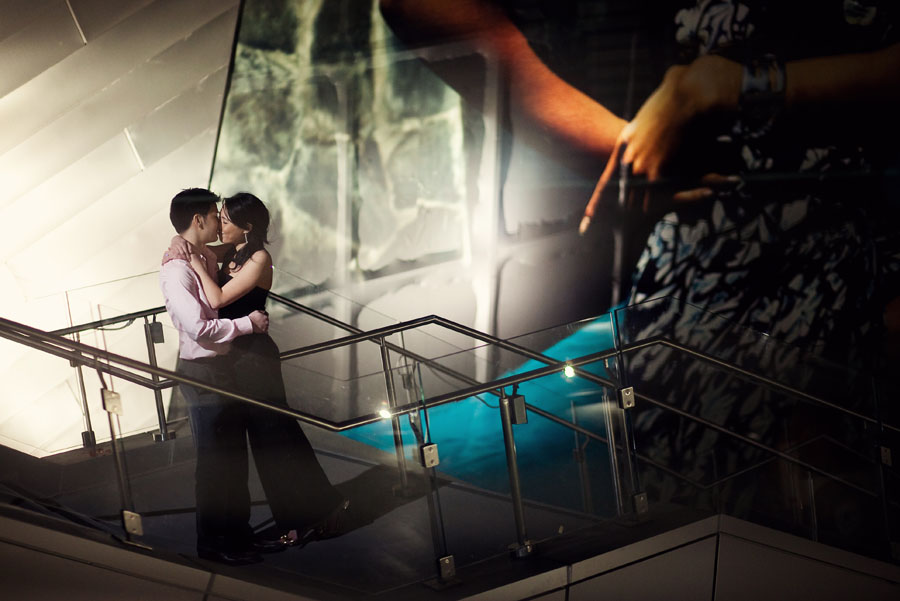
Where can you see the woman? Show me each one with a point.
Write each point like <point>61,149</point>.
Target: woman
<point>303,502</point>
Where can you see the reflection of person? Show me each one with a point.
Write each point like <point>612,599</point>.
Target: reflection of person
<point>303,502</point>
<point>768,87</point>
<point>552,107</point>
<point>204,341</point>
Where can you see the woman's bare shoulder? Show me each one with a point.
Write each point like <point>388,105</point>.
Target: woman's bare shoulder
<point>261,256</point>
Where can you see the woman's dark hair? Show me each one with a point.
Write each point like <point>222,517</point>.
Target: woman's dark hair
<point>248,212</point>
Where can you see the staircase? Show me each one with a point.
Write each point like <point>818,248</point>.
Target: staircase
<point>569,463</point>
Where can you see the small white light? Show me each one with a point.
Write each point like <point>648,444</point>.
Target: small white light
<point>384,413</point>
<point>569,371</point>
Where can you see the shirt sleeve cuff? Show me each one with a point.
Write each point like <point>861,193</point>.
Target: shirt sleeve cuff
<point>244,325</point>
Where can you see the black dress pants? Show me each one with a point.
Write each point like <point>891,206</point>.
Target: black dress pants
<point>220,440</point>
<point>296,487</point>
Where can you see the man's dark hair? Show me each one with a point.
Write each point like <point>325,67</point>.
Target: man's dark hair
<point>190,202</point>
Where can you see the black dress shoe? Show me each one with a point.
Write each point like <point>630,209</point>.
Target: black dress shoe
<point>231,558</point>
<point>330,526</point>
<point>272,545</point>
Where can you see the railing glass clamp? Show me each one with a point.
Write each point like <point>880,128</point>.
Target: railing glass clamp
<point>641,504</point>
<point>518,412</point>
<point>626,397</point>
<point>156,332</point>
<point>112,401</point>
<point>408,381</point>
<point>447,568</point>
<point>428,453</point>
<point>132,523</point>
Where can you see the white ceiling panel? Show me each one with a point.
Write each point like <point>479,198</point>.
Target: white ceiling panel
<point>129,294</point>
<point>46,313</point>
<point>33,49</point>
<point>181,119</point>
<point>34,371</point>
<point>49,416</point>
<point>145,34</point>
<point>18,14</point>
<point>96,16</point>
<point>57,261</point>
<point>98,118</point>
<point>144,92</point>
<point>54,201</point>
<point>138,251</point>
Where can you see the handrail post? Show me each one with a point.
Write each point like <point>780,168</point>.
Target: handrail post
<point>522,547</point>
<point>626,401</point>
<point>163,433</point>
<point>88,437</point>
<point>612,447</point>
<point>395,420</point>
<point>131,520</point>
<point>580,454</point>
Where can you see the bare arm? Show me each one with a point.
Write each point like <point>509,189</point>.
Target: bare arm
<point>548,103</point>
<point>243,281</point>
<point>183,305</point>
<point>710,84</point>
<point>179,248</point>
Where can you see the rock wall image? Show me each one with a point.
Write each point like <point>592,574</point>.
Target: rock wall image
<point>356,147</point>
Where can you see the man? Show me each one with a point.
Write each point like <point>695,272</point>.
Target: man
<point>223,499</point>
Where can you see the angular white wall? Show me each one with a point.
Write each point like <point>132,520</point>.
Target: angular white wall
<point>108,109</point>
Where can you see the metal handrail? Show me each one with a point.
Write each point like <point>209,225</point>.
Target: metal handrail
<point>109,321</point>
<point>359,335</point>
<point>763,380</point>
<point>103,360</point>
<point>54,343</point>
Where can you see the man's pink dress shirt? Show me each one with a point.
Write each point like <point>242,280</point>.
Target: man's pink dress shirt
<point>201,333</point>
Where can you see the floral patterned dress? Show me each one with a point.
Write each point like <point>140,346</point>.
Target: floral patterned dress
<point>800,253</point>
<point>797,252</point>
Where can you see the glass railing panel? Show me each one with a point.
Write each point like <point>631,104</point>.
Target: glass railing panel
<point>343,383</point>
<point>699,468</point>
<point>433,340</point>
<point>427,340</point>
<point>113,298</point>
<point>334,392</point>
<point>292,328</point>
<point>150,340</point>
<point>42,410</point>
<point>706,434</point>
<point>79,485</point>
<point>842,382</point>
<point>162,487</point>
<point>887,388</point>
<point>483,364</point>
<point>744,406</point>
<point>571,340</point>
<point>51,388</point>
<point>564,473</point>
<point>329,302</point>
<point>348,382</point>
<point>891,470</point>
<point>390,498</point>
<point>46,467</point>
<point>30,376</point>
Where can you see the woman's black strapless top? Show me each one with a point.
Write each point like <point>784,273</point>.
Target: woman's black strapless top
<point>255,300</point>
